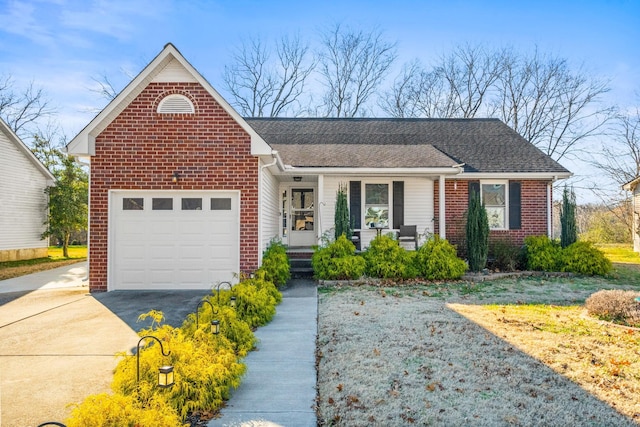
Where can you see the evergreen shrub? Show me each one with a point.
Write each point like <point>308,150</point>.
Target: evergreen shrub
<point>506,255</point>
<point>437,260</point>
<point>584,258</point>
<point>117,410</point>
<point>337,261</point>
<point>543,254</point>
<point>275,264</point>
<point>477,232</point>
<point>386,259</point>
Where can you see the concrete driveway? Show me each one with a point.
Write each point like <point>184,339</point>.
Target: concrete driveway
<point>58,342</point>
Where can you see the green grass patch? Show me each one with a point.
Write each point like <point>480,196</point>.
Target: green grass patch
<point>618,252</point>
<point>55,252</point>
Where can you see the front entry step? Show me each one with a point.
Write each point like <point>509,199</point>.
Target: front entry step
<point>300,262</point>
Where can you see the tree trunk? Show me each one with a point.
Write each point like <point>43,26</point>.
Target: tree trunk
<point>65,245</point>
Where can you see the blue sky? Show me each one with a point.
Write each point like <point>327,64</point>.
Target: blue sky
<point>61,44</point>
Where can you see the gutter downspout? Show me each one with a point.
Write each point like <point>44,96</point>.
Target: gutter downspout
<point>442,224</point>
<point>275,156</point>
<point>550,207</point>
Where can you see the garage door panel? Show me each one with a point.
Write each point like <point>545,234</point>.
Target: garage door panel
<point>172,249</point>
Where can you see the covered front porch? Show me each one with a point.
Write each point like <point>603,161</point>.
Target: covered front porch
<point>378,204</point>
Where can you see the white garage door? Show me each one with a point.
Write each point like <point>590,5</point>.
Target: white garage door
<point>173,240</point>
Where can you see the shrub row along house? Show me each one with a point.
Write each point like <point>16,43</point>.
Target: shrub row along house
<point>184,191</point>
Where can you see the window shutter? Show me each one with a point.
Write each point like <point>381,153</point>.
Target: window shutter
<point>398,204</point>
<point>355,203</point>
<point>474,187</point>
<point>515,205</point>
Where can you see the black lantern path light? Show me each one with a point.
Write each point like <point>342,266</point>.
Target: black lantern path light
<point>52,423</point>
<point>215,323</point>
<point>232,300</point>
<point>165,373</point>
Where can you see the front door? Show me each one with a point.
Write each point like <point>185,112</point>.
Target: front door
<point>302,226</point>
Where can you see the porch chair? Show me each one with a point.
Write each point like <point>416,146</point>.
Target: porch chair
<point>408,233</point>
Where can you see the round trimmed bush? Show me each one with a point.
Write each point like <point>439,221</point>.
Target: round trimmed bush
<point>437,259</point>
<point>615,306</point>
<point>584,258</point>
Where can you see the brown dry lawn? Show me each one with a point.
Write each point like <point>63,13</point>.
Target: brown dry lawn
<point>515,351</point>
<point>11,269</point>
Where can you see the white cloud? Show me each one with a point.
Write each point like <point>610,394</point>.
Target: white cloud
<point>117,19</point>
<point>20,18</point>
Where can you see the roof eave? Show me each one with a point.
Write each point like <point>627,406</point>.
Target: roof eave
<point>553,176</point>
<point>451,170</point>
<point>11,135</point>
<point>631,185</point>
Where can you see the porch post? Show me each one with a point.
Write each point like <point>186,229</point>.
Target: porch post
<point>441,210</point>
<point>320,204</point>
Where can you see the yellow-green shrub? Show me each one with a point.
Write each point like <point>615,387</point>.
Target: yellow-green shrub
<point>437,259</point>
<point>234,334</point>
<point>386,259</point>
<point>275,264</point>
<point>204,370</point>
<point>255,302</point>
<point>543,254</point>
<point>337,261</point>
<point>118,410</point>
<point>584,258</point>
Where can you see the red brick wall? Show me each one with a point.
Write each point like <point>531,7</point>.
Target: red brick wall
<point>141,149</point>
<point>534,212</point>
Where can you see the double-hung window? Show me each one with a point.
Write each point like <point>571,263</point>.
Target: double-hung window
<point>494,197</point>
<point>376,206</point>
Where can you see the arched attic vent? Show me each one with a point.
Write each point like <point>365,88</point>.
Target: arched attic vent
<point>176,104</point>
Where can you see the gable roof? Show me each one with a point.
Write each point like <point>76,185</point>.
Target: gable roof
<point>12,137</point>
<point>170,66</point>
<point>483,145</point>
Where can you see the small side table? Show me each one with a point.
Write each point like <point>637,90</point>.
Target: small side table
<point>378,230</point>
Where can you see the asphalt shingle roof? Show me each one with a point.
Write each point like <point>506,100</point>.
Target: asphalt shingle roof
<point>484,145</point>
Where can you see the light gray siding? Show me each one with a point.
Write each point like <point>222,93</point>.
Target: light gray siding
<point>23,202</point>
<point>418,203</point>
<point>269,209</point>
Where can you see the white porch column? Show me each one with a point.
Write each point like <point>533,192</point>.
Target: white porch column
<point>320,204</point>
<point>441,210</point>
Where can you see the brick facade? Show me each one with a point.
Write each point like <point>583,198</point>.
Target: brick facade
<point>533,211</point>
<point>141,149</point>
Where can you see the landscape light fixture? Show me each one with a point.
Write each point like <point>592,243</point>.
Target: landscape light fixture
<point>52,423</point>
<point>232,300</point>
<point>215,324</point>
<point>165,373</point>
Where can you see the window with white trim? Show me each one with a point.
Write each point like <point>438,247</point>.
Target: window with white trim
<point>376,205</point>
<point>494,195</point>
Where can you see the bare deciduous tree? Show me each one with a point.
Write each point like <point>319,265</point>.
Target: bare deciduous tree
<point>353,64</point>
<point>105,87</point>
<point>550,105</point>
<point>264,87</point>
<point>620,159</point>
<point>540,97</point>
<point>22,110</point>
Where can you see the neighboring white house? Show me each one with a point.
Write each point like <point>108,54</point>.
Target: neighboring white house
<point>23,202</point>
<point>634,187</point>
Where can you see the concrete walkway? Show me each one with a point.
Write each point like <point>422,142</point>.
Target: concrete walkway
<point>279,387</point>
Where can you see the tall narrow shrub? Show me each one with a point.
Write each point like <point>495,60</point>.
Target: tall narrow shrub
<point>569,233</point>
<point>342,224</point>
<point>477,234</point>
